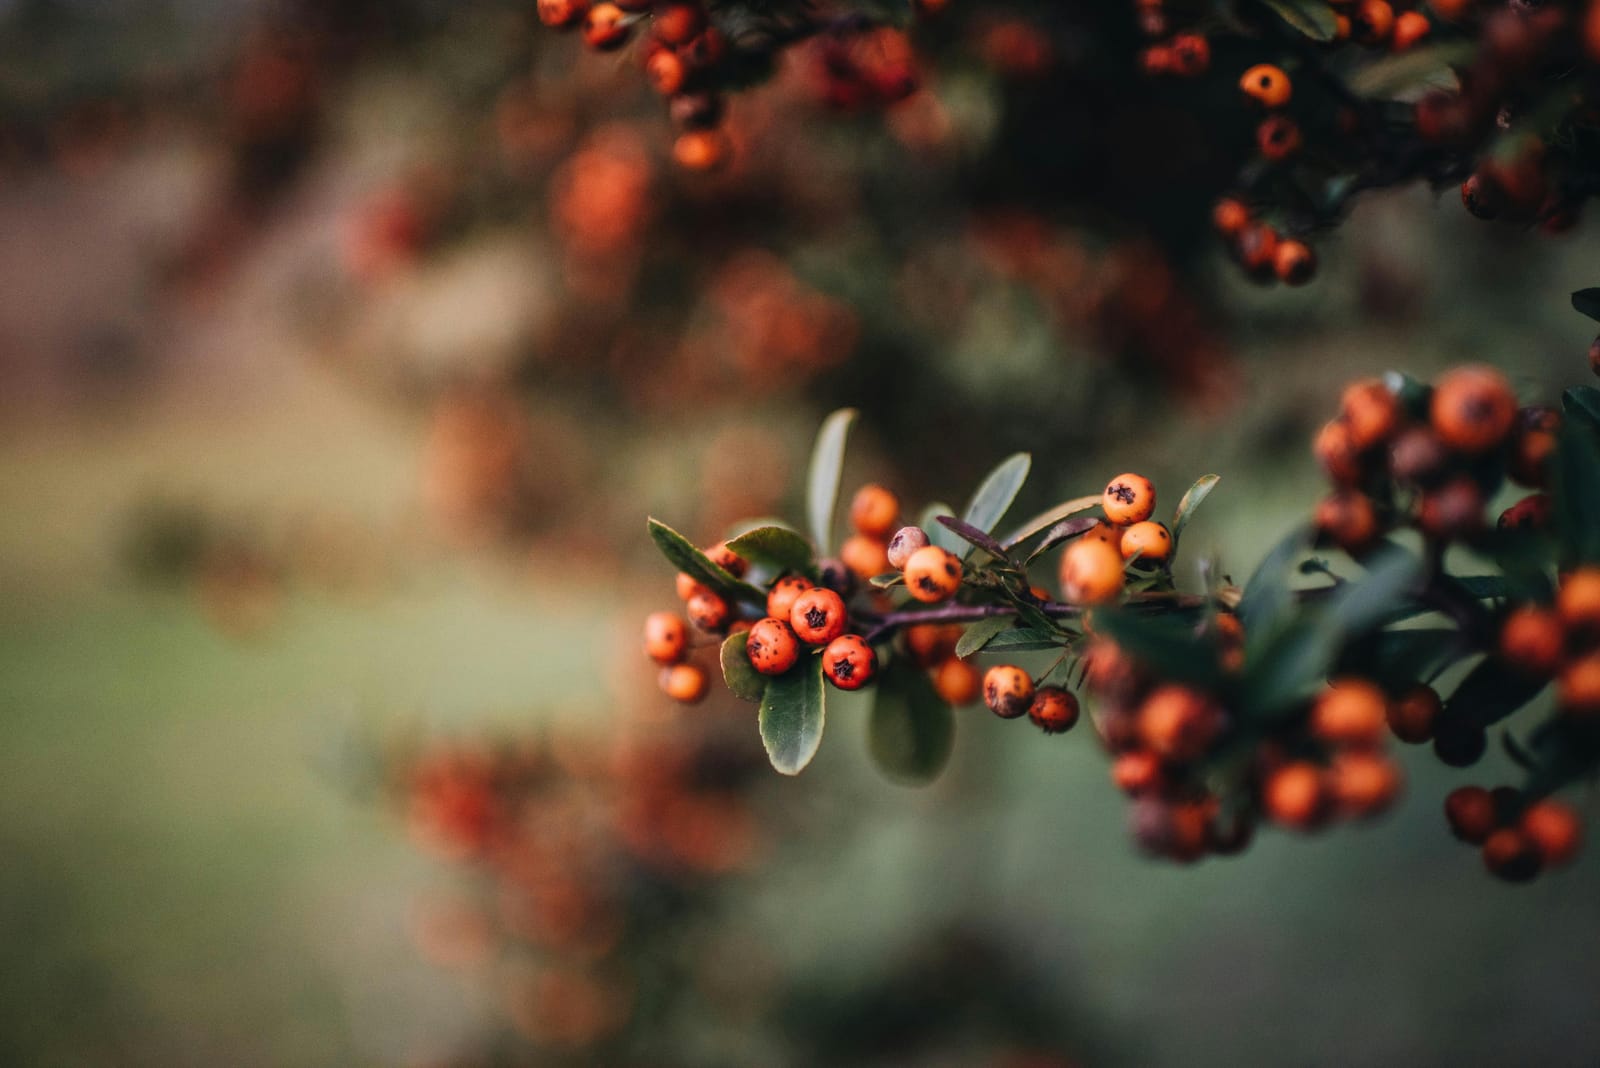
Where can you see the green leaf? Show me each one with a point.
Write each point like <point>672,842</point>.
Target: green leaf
<point>1577,492</point>
<point>1165,644</point>
<point>822,483</point>
<point>792,715</point>
<point>1583,402</point>
<point>1491,691</point>
<point>1309,18</point>
<point>1062,531</point>
<point>1191,500</point>
<point>682,554</point>
<point>1587,302</point>
<point>1049,518</point>
<point>998,490</point>
<point>1267,597</point>
<point>1399,657</point>
<point>1025,640</point>
<point>980,633</point>
<point>1406,75</point>
<point>910,732</point>
<point>1414,395</point>
<point>744,681</point>
<point>974,537</point>
<point>938,533</point>
<point>778,547</point>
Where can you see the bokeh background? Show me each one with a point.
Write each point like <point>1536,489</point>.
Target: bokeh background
<point>344,348</point>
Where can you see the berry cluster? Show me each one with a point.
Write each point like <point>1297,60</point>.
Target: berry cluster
<point>692,61</point>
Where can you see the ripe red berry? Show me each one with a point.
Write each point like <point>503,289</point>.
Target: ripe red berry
<point>956,681</point>
<point>1278,138</point>
<point>678,23</point>
<point>685,683</point>
<point>818,616</point>
<point>1533,640</point>
<point>1053,710</point>
<point>1371,411</point>
<point>1555,829</point>
<point>1473,409</point>
<point>707,611</point>
<point>849,662</point>
<point>561,14</point>
<point>784,593</point>
<point>1295,796</point>
<point>666,638</point>
<point>605,27</point>
<point>1351,712</point>
<point>1293,262</point>
<point>1470,811</point>
<point>1511,855</point>
<point>1267,85</point>
<point>1413,714</point>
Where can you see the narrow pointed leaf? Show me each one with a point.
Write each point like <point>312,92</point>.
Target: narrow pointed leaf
<point>778,547</point>
<point>1587,302</point>
<point>1062,531</point>
<point>683,555</point>
<point>744,681</point>
<point>1267,597</point>
<point>998,490</point>
<point>910,732</point>
<point>980,633</point>
<point>1583,402</point>
<point>1024,640</point>
<point>792,715</point>
<point>1191,500</point>
<point>822,483</point>
<point>1049,518</point>
<point>1309,18</point>
<point>973,536</point>
<point>1577,478</point>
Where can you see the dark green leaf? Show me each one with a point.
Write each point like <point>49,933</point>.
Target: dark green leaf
<point>980,633</point>
<point>1399,657</point>
<point>938,533</point>
<point>792,715</point>
<point>1406,75</point>
<point>911,732</point>
<point>1166,645</point>
<point>973,536</point>
<point>1414,396</point>
<point>778,547</point>
<point>1577,492</point>
<point>1587,302</point>
<point>1191,500</point>
<point>1267,597</point>
<point>1491,691</point>
<point>999,489</point>
<point>744,681</point>
<point>1583,402</point>
<point>1062,531</point>
<point>1049,518</point>
<point>1024,640</point>
<point>822,483</point>
<point>685,557</point>
<point>1309,18</point>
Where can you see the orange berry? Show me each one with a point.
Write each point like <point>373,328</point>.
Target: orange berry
<point>867,558</point>
<point>1409,28</point>
<point>701,150</point>
<point>605,27</point>
<point>1278,138</point>
<point>1413,714</point>
<point>1511,855</point>
<point>685,683</point>
<point>1578,686</point>
<point>1348,519</point>
<point>1267,85</point>
<point>1473,409</point>
<point>1351,712</point>
<point>1102,531</point>
<point>1091,573</point>
<point>1533,512</point>
<point>772,647</point>
<point>906,541</point>
<point>1578,600</point>
<point>687,587</point>
<point>1053,710</point>
<point>1533,640</point>
<point>956,682</point>
<point>1293,262</point>
<point>1178,724</point>
<point>1007,690</point>
<point>874,510</point>
<point>784,593</point>
<point>1152,542</point>
<point>1295,795</point>
<point>665,71</point>
<point>1257,249</point>
<point>1371,411</point>
<point>1137,772</point>
<point>1128,499</point>
<point>1532,445</point>
<point>677,24</point>
<point>933,574</point>
<point>727,559</point>
<point>1363,784</point>
<point>707,611</point>
<point>560,14</point>
<point>849,662</point>
<point>1230,216</point>
<point>1190,55</point>
<point>818,616</point>
<point>1453,510</point>
<point>1470,811</point>
<point>1107,670</point>
<point>1372,22</point>
<point>666,637</point>
<point>931,643</point>
<point>1555,829</point>
<point>1336,451</point>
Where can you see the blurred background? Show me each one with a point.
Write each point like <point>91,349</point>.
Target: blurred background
<point>344,348</point>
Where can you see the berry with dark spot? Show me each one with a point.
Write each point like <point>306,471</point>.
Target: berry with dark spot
<point>1473,409</point>
<point>818,616</point>
<point>1267,85</point>
<point>1150,541</point>
<point>772,647</point>
<point>906,541</point>
<point>1128,498</point>
<point>932,574</point>
<point>784,593</point>
<point>707,611</point>
<point>1054,710</point>
<point>849,662</point>
<point>1371,411</point>
<point>1008,691</point>
<point>1533,512</point>
<point>666,638</point>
